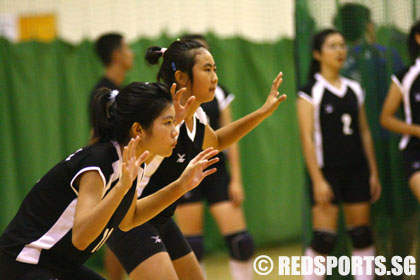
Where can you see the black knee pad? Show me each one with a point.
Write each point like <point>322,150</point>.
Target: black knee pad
<point>361,237</point>
<point>323,242</point>
<point>197,245</point>
<point>241,245</point>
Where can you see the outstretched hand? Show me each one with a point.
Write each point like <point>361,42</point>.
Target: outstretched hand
<point>274,98</point>
<point>131,163</point>
<point>180,111</point>
<point>195,171</point>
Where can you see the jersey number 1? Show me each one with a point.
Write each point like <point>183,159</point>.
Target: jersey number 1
<point>346,119</point>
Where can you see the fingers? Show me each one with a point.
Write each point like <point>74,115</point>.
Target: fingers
<point>206,154</point>
<point>277,81</point>
<point>207,163</point>
<point>173,89</point>
<point>281,98</point>
<point>142,158</point>
<point>209,172</point>
<point>189,102</point>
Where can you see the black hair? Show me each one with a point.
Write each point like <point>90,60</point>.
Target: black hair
<point>113,116</point>
<point>106,45</point>
<point>317,41</point>
<point>198,37</point>
<point>180,55</point>
<point>413,46</point>
<point>352,19</point>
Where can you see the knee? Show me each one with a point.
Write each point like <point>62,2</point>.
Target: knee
<point>323,242</point>
<point>197,245</point>
<point>241,245</point>
<point>361,237</point>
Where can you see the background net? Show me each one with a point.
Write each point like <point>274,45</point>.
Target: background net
<point>376,33</point>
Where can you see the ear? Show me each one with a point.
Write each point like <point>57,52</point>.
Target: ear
<point>181,78</point>
<point>116,55</point>
<point>417,38</point>
<point>137,130</point>
<point>316,55</point>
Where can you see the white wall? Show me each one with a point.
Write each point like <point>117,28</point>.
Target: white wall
<point>256,20</point>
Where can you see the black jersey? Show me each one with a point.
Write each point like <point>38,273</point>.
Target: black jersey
<point>163,171</point>
<point>408,81</point>
<point>41,231</point>
<point>336,121</point>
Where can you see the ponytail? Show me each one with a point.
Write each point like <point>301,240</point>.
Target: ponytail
<point>102,126</point>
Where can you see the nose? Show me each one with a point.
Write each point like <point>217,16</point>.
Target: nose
<point>215,79</point>
<point>174,132</point>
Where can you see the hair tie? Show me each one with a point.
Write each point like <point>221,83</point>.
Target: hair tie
<point>173,66</point>
<point>111,100</point>
<point>162,51</point>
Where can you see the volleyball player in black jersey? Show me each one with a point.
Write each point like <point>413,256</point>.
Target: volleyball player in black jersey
<point>405,90</point>
<point>223,191</point>
<point>338,150</point>
<point>75,207</point>
<point>157,249</point>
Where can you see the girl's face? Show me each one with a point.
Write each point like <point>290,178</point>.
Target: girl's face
<point>205,78</point>
<point>161,136</point>
<point>333,52</point>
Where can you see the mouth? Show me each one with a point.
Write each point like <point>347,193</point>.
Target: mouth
<point>173,145</point>
<point>213,89</point>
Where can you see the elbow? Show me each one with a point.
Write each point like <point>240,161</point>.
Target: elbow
<point>384,120</point>
<point>79,242</point>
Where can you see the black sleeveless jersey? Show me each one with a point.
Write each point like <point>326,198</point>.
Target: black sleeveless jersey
<point>41,231</point>
<point>213,110</point>
<point>336,121</point>
<point>163,171</point>
<point>408,81</point>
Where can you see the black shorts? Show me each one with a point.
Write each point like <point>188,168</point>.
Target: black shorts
<point>11,269</point>
<point>411,161</point>
<point>214,188</point>
<point>349,184</point>
<point>137,245</point>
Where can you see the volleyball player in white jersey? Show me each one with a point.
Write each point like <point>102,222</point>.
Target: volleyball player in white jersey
<point>405,90</point>
<point>72,210</point>
<point>338,151</point>
<point>157,249</point>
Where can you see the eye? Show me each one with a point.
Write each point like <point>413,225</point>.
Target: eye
<point>168,122</point>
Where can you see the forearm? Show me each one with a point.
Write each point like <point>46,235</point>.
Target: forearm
<point>234,131</point>
<point>398,126</point>
<point>311,161</point>
<point>149,206</point>
<point>234,163</point>
<point>369,151</point>
<point>92,222</point>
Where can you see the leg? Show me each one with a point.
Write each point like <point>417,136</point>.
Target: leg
<point>157,267</point>
<point>324,224</point>
<point>190,221</point>
<point>414,182</point>
<point>357,217</point>
<point>231,222</point>
<point>113,268</point>
<point>188,268</point>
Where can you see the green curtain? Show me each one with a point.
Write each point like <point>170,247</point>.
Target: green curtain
<point>44,90</point>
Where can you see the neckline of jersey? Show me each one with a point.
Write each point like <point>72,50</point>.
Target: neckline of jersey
<point>337,91</point>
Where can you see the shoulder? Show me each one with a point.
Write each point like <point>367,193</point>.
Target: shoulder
<point>305,92</point>
<point>201,116</point>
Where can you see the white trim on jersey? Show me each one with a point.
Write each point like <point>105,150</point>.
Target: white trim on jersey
<point>341,92</point>
<point>89,168</point>
<point>397,83</point>
<point>149,170</point>
<point>357,89</point>
<point>202,117</point>
<point>305,96</point>
<point>407,82</point>
<point>222,100</point>
<point>317,94</point>
<point>32,251</point>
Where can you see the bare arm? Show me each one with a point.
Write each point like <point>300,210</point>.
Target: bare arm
<point>236,193</point>
<point>148,207</point>
<point>93,212</point>
<point>390,107</point>
<point>322,190</point>
<point>370,154</point>
<point>226,136</point>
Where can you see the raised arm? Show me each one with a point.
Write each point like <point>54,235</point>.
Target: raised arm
<point>93,212</point>
<point>226,136</point>
<point>148,207</point>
